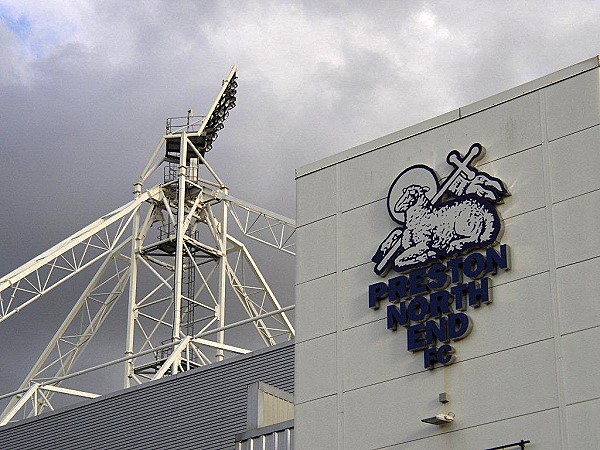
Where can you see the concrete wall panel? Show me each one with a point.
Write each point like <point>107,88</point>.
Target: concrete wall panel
<point>315,424</point>
<point>581,365</point>
<point>522,174</point>
<point>578,303</point>
<point>576,223</point>
<point>315,368</point>
<point>374,354</point>
<point>572,104</point>
<point>317,247</point>
<point>315,308</point>
<point>526,235</point>
<point>359,230</point>
<point>582,425</point>
<point>354,301</point>
<point>575,164</point>
<point>316,196</point>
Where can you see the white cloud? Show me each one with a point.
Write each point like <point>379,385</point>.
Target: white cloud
<point>51,24</point>
<point>14,64</point>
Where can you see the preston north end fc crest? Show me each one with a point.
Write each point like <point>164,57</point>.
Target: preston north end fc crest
<point>440,220</point>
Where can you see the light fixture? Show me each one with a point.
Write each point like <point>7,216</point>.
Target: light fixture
<point>201,131</point>
<point>220,111</point>
<point>440,419</point>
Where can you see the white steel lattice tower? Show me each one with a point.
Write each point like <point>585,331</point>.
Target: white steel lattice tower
<point>170,250</point>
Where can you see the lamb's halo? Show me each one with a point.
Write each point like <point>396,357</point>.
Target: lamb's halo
<point>419,175</point>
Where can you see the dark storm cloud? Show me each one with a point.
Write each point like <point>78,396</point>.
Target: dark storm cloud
<point>85,89</point>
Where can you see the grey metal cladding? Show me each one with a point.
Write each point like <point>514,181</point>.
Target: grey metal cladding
<point>200,409</point>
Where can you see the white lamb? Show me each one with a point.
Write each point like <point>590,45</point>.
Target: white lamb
<point>433,231</point>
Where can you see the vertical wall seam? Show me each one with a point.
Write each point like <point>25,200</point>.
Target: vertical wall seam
<point>338,313</point>
<point>552,274</point>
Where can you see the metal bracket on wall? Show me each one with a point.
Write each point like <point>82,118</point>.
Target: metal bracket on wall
<point>520,444</point>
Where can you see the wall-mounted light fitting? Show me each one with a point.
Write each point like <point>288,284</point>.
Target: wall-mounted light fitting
<point>440,419</point>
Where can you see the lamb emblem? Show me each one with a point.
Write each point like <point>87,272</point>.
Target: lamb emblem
<point>440,221</point>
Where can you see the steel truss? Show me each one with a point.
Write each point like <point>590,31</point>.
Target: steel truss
<point>170,251</point>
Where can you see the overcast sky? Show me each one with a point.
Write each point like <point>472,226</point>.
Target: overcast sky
<point>85,87</point>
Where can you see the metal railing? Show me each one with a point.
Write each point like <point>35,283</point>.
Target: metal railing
<point>171,172</point>
<point>279,436</point>
<point>189,124</point>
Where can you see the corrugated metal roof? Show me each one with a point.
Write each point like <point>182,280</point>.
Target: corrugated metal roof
<point>202,409</point>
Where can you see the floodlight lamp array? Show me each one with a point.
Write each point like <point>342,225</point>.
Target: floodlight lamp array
<point>225,104</point>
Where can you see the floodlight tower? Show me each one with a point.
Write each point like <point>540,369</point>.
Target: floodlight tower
<point>193,235</point>
<point>171,250</point>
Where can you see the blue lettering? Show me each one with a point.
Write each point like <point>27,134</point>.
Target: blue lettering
<point>418,281</point>
<point>377,291</point>
<point>445,354</point>
<point>459,293</point>
<point>418,309</point>
<point>477,295</point>
<point>398,288</point>
<point>459,326</point>
<point>437,273</point>
<point>415,337</point>
<point>497,260</point>
<point>475,265</point>
<point>439,303</point>
<point>435,331</point>
<point>430,357</point>
<point>455,266</point>
<point>396,316</point>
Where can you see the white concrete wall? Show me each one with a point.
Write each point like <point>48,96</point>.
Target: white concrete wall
<point>529,368</point>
